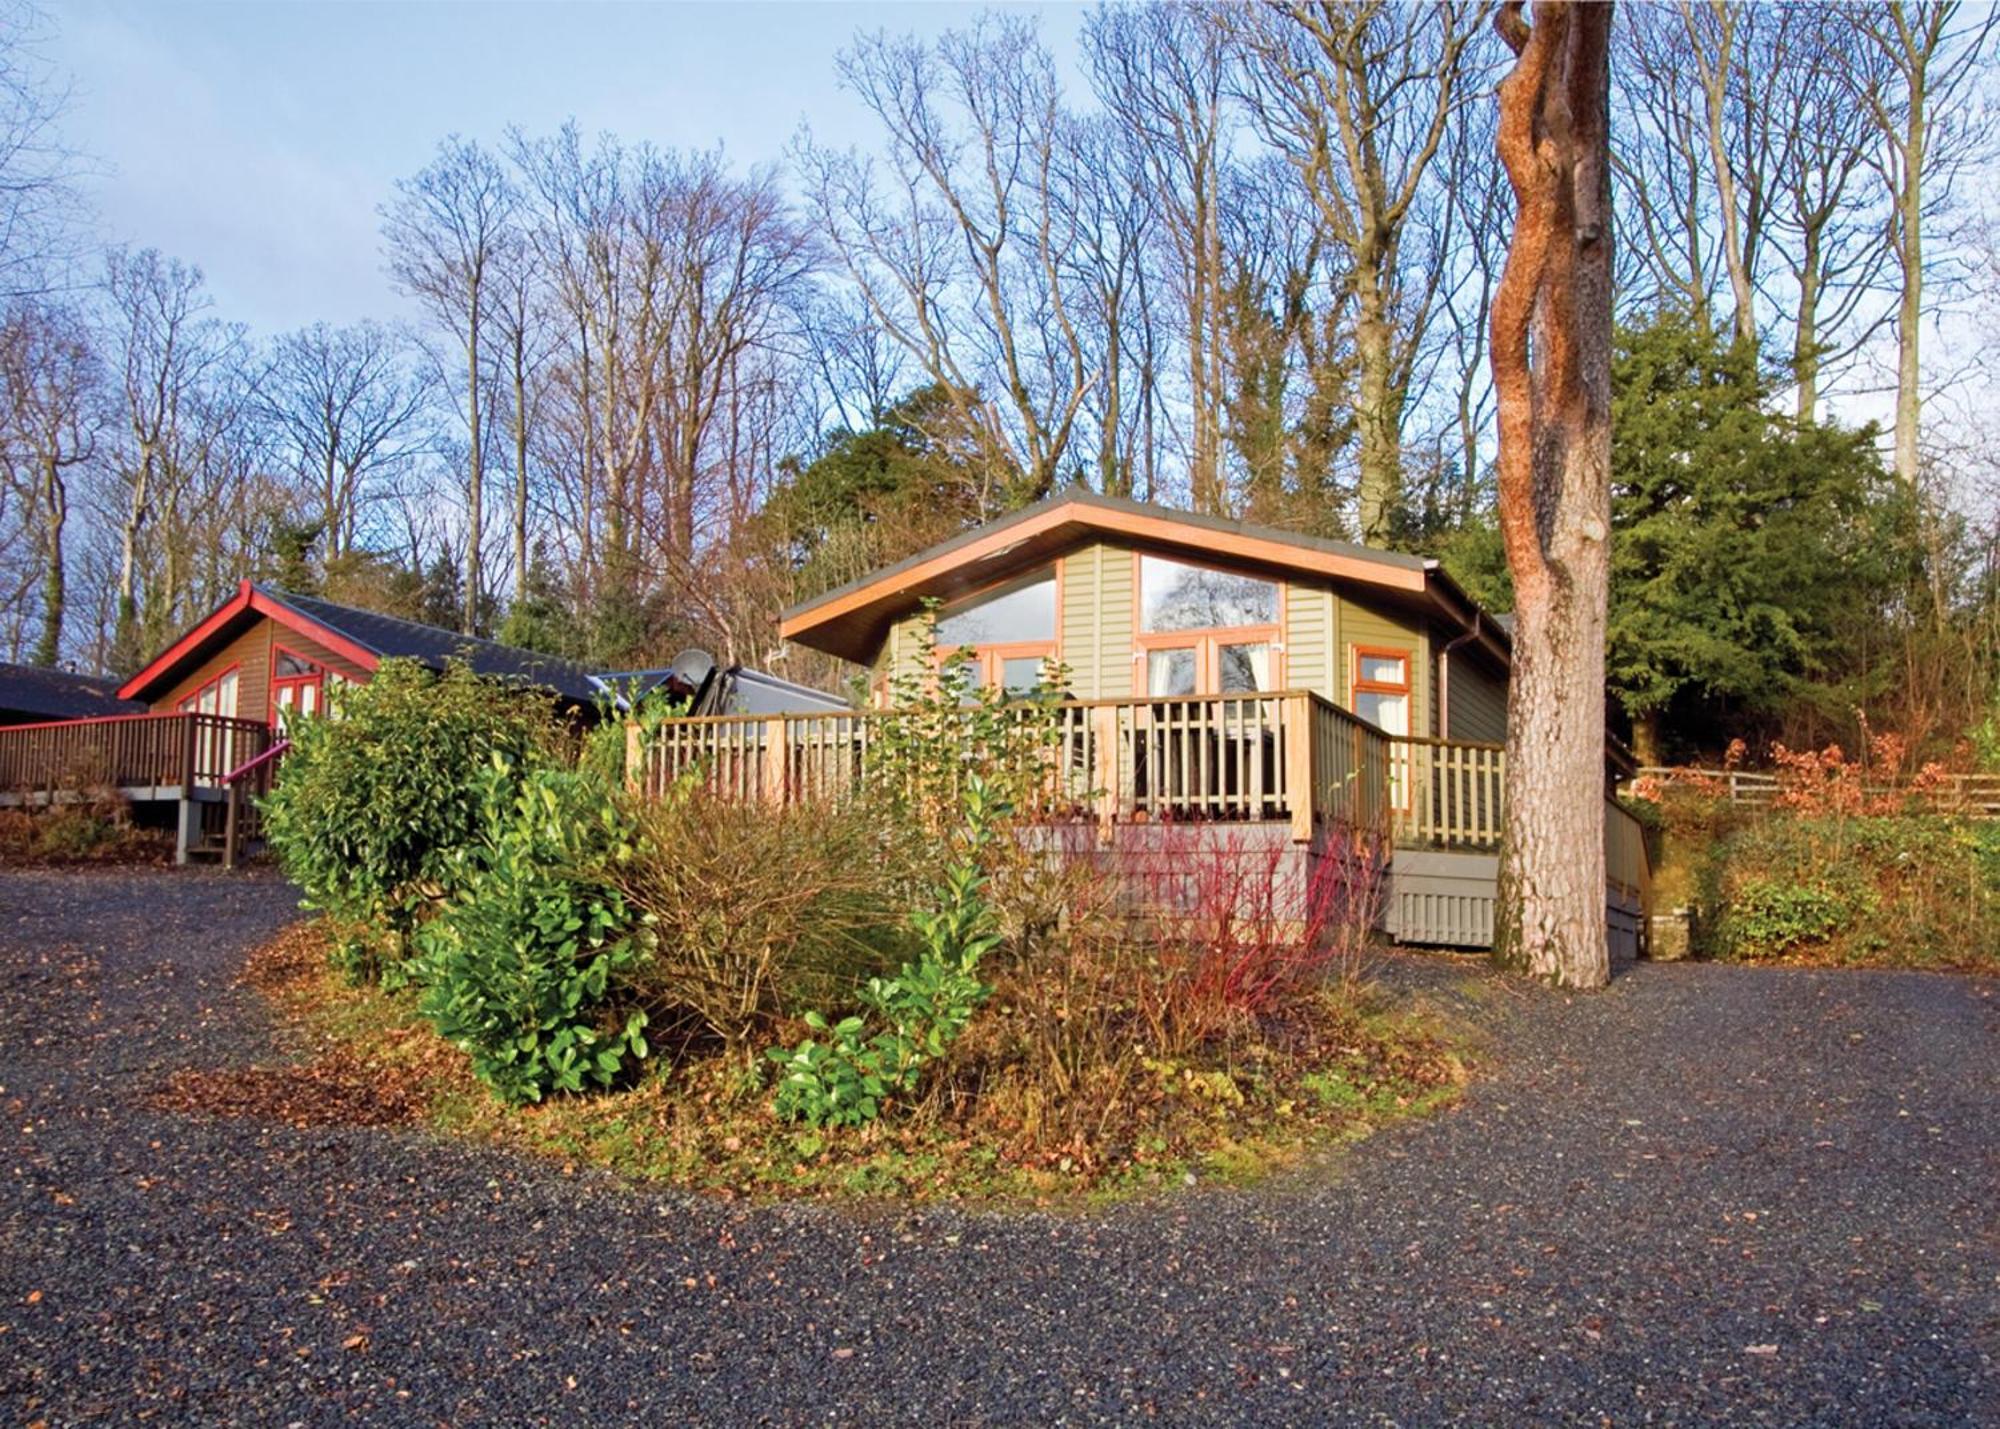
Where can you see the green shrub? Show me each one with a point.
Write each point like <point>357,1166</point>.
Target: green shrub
<point>522,960</point>
<point>1902,890</point>
<point>846,1079</point>
<point>1769,917</point>
<point>369,806</point>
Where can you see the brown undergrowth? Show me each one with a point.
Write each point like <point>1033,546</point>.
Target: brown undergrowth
<point>1255,1098</point>
<point>97,832</point>
<point>361,1060</point>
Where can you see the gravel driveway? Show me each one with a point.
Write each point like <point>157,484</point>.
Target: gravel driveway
<point>1709,1194</point>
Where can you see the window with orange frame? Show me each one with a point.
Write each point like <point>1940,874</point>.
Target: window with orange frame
<point>1009,630</point>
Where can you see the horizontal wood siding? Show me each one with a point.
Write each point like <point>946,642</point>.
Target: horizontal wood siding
<point>1367,625</point>
<point>1309,642</point>
<point>1477,703</point>
<point>1117,619</point>
<point>312,650</point>
<point>251,653</point>
<point>1080,625</point>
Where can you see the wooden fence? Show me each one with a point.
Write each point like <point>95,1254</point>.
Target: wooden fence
<point>1974,796</point>
<point>142,756</point>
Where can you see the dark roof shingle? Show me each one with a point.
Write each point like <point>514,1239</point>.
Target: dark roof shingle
<point>394,638</point>
<point>42,694</point>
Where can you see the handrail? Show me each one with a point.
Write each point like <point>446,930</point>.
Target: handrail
<point>119,719</point>
<point>258,762</point>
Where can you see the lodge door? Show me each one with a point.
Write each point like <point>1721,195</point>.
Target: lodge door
<point>296,684</point>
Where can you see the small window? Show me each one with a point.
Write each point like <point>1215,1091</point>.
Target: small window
<point>1022,614</point>
<point>1382,689</point>
<point>290,665</point>
<point>1176,596</point>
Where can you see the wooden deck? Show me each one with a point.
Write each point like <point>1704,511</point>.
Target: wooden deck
<point>1291,758</point>
<point>203,763</point>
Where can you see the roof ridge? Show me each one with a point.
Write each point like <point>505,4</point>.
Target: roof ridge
<point>287,597</point>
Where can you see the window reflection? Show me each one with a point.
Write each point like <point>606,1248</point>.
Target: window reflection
<point>1177,596</point>
<point>1015,615</point>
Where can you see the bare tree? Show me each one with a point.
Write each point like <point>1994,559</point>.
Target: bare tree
<point>1359,94</point>
<point>1667,214</point>
<point>38,200</point>
<point>525,330</point>
<point>1931,126</point>
<point>164,345</point>
<point>1552,373</point>
<point>1161,71</point>
<point>50,377</point>
<point>1827,223</point>
<point>446,232</point>
<point>345,412</point>
<point>960,252</point>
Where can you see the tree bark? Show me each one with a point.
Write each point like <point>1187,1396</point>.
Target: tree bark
<point>1552,376</point>
<point>55,512</point>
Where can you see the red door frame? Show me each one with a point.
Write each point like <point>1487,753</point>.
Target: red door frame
<point>294,682</point>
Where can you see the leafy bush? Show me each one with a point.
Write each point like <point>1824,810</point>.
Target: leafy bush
<point>760,913</point>
<point>370,806</point>
<point>845,1080</point>
<point>521,961</point>
<point>1768,917</point>
<point>1892,890</point>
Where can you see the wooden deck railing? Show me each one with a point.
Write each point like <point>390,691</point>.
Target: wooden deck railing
<point>1290,756</point>
<point>127,752</point>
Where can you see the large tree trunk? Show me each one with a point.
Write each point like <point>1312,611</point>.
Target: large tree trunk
<point>1805,329</point>
<point>1552,375</point>
<point>1378,412</point>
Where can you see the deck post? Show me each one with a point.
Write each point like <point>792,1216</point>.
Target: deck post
<point>635,752</point>
<point>189,829</point>
<point>1104,767</point>
<point>229,824</point>
<point>777,761</point>
<point>1301,790</point>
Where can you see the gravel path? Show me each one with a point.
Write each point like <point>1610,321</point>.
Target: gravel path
<point>1707,1195</point>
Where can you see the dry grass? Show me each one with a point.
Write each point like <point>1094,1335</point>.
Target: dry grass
<point>1003,1125</point>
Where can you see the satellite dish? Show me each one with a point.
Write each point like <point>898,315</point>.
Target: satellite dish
<point>691,668</point>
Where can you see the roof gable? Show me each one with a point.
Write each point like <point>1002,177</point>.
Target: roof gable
<point>851,621</point>
<point>364,636</point>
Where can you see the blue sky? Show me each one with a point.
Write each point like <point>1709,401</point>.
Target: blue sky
<point>256,139</point>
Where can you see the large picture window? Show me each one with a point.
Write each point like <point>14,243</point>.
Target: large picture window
<point>1204,631</point>
<point>1011,632</point>
<point>217,697</point>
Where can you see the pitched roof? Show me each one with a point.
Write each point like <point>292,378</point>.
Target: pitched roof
<point>364,636</point>
<point>389,637</point>
<point>44,694</point>
<point>851,620</point>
